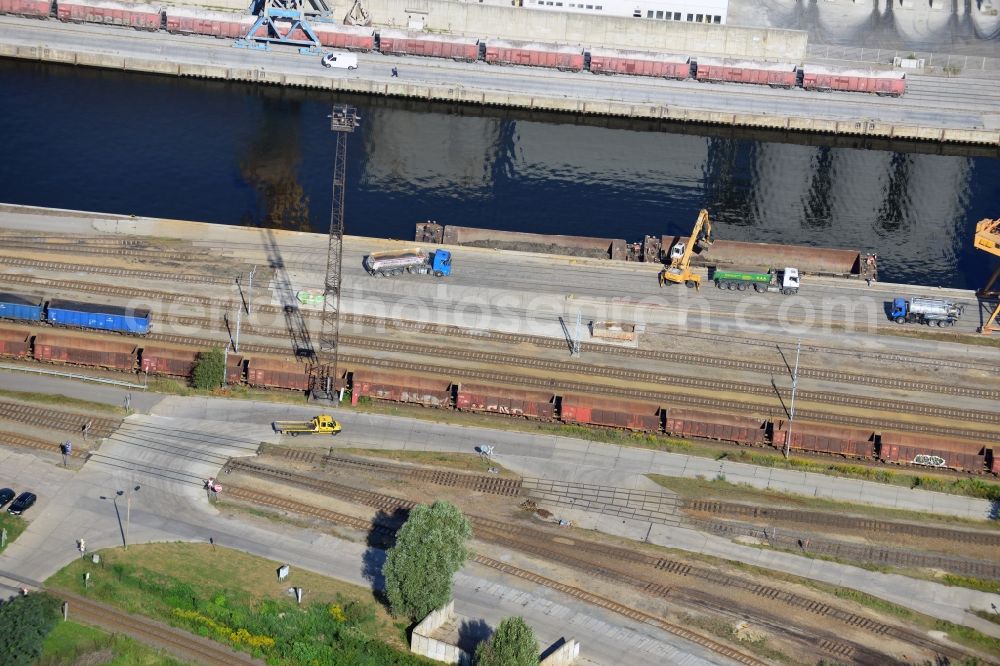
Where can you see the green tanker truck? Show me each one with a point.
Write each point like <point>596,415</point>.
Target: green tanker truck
<point>785,280</point>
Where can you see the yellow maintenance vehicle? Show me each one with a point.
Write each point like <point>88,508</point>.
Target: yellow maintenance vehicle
<point>679,271</point>
<point>319,425</point>
<point>988,240</point>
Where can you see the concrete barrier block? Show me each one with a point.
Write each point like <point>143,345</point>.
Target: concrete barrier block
<point>972,136</point>
<point>916,132</point>
<point>100,60</point>
<point>564,655</point>
<point>58,55</point>
<point>27,52</point>
<point>154,66</point>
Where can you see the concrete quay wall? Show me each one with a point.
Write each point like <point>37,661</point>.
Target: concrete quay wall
<point>468,95</point>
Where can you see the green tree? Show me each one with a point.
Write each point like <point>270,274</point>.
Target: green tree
<point>430,548</point>
<point>26,621</point>
<point>513,644</point>
<point>209,370</point>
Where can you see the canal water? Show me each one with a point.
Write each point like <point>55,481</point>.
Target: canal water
<point>238,154</point>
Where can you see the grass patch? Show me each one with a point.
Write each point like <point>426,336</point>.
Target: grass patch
<point>71,643</point>
<point>969,636</point>
<point>234,598</point>
<point>724,490</point>
<point>954,580</point>
<point>466,462</point>
<point>966,486</point>
<point>14,526</point>
<point>756,643</point>
<point>60,401</point>
<point>876,604</point>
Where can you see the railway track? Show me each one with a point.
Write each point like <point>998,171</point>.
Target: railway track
<point>497,359</point>
<point>56,419</point>
<point>561,385</point>
<point>13,439</point>
<point>123,273</point>
<point>577,593</point>
<point>655,502</point>
<point>146,630</point>
<point>836,520</point>
<point>491,485</point>
<point>858,402</point>
<point>594,559</point>
<point>380,323</point>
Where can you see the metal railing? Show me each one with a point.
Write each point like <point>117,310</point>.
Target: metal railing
<point>70,375</point>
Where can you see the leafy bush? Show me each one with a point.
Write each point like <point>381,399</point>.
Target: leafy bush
<point>209,370</point>
<point>513,644</point>
<point>25,622</point>
<point>430,548</point>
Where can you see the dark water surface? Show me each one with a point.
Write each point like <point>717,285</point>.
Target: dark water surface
<point>238,154</point>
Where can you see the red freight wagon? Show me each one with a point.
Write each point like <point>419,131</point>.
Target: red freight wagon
<point>401,388</point>
<point>350,37</point>
<point>234,369</point>
<point>400,42</point>
<point>722,427</point>
<point>14,343</point>
<point>142,17</point>
<point>164,361</point>
<point>821,438</point>
<point>776,75</point>
<point>26,7</point>
<point>613,413</point>
<point>849,80</point>
<point>191,21</point>
<point>907,449</point>
<point>85,351</point>
<point>565,58</point>
<point>639,63</point>
<point>276,373</point>
<point>513,402</point>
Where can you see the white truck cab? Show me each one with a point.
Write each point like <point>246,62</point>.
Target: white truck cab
<point>790,279</point>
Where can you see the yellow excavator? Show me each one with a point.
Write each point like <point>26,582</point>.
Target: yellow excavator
<point>679,270</point>
<point>988,240</point>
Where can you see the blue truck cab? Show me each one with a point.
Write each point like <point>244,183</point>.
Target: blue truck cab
<point>898,308</point>
<point>441,264</point>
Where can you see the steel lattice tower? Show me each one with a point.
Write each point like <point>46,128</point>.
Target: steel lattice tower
<point>324,374</point>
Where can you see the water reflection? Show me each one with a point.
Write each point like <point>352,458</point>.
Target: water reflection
<point>237,154</point>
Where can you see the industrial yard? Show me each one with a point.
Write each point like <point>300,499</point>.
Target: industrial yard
<point>488,347</point>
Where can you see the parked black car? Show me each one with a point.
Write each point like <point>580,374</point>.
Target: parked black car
<point>6,495</point>
<point>22,503</point>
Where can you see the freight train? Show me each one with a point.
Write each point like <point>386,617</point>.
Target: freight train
<point>229,25</point>
<point>271,372</point>
<point>73,314</point>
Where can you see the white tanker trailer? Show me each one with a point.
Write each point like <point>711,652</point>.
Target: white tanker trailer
<point>926,311</point>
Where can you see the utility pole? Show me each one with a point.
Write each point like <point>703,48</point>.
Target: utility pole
<point>791,410</point>
<point>324,371</point>
<point>576,336</point>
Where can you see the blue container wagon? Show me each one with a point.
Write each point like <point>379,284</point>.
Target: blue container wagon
<point>22,308</point>
<point>99,317</point>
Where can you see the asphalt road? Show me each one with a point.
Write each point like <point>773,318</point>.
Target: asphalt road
<point>927,103</point>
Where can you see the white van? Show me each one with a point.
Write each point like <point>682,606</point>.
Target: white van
<point>340,60</point>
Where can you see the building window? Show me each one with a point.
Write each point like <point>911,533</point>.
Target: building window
<point>690,17</point>
<point>677,16</point>
<point>659,15</point>
<point>668,16</point>
<point>558,4</point>
<point>649,14</point>
<point>590,6</point>
<point>718,19</point>
<point>636,13</point>
<point>701,17</point>
<point>599,8</point>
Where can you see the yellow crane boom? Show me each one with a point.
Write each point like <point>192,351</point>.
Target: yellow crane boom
<point>679,270</point>
<point>988,239</point>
